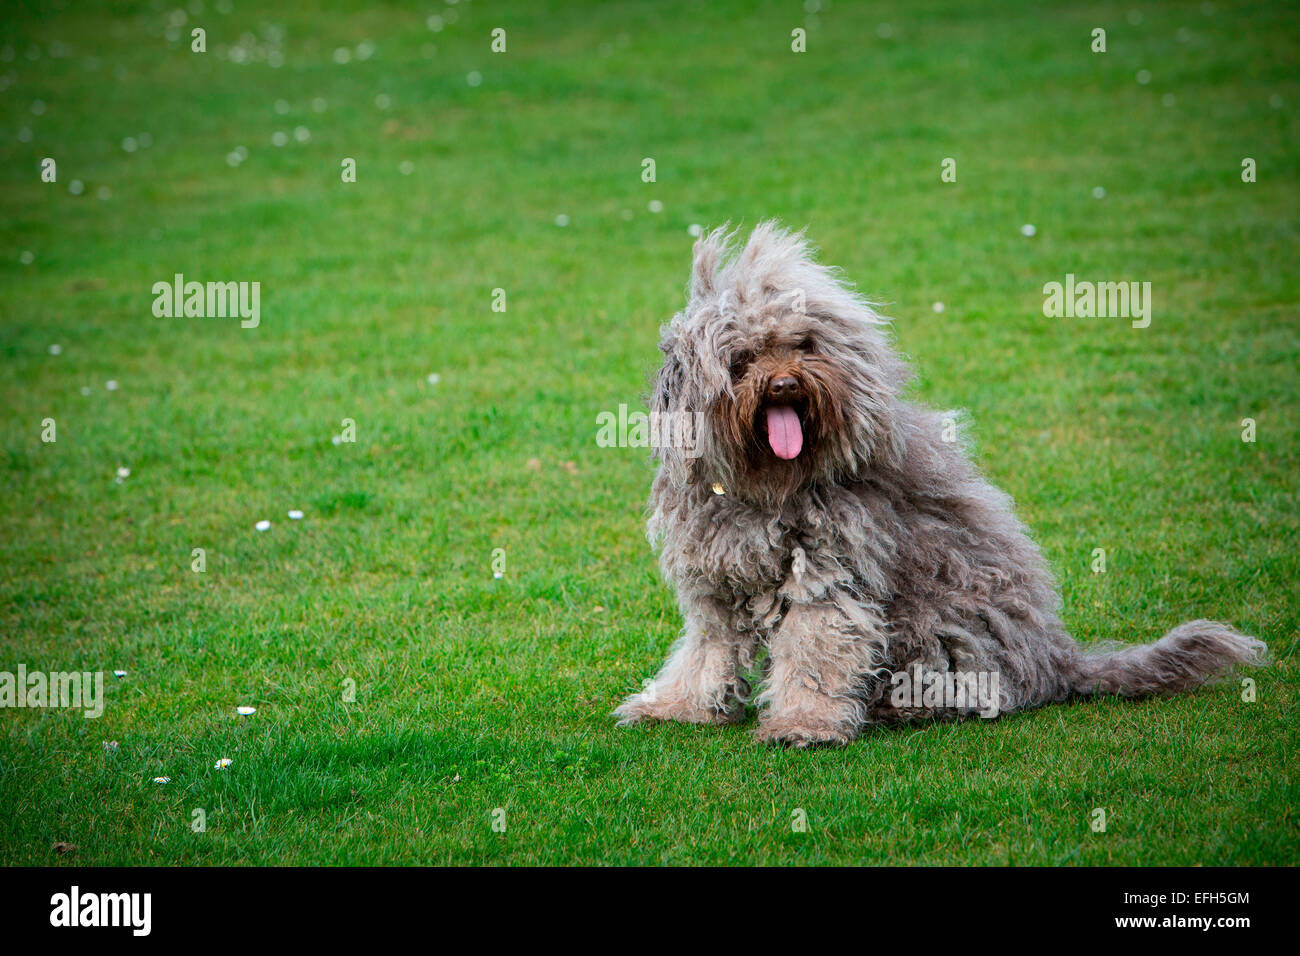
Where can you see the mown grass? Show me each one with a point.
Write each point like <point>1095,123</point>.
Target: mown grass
<point>476,693</point>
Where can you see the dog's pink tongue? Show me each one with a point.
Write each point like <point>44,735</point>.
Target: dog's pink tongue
<point>783,431</point>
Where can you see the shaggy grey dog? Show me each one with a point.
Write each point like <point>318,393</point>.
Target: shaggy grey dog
<point>825,520</point>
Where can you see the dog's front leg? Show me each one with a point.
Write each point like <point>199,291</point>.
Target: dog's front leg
<point>701,682</point>
<point>820,659</point>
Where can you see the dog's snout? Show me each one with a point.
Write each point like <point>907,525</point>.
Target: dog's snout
<point>784,387</point>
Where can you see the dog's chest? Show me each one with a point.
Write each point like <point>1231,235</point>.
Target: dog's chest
<point>742,550</point>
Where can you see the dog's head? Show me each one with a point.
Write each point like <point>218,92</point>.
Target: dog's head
<point>786,371</point>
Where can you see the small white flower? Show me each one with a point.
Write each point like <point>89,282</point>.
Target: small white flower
<point>336,439</point>
<point>245,711</point>
<point>124,472</point>
<point>1098,192</point>
<point>655,206</point>
<point>695,229</point>
<point>26,257</point>
<point>282,106</point>
<point>56,349</point>
<point>222,764</point>
<point>86,390</point>
<point>561,220</point>
<point>295,515</point>
<point>474,78</point>
<point>1143,77</point>
<point>279,138</point>
<point>383,101</point>
<point>111,385</point>
<point>263,525</point>
<point>498,574</point>
<point>76,187</point>
<point>130,145</point>
<point>342,55</point>
<point>1028,230</point>
<point>162,779</point>
<point>302,134</point>
<point>110,746</point>
<point>119,674</point>
<point>938,307</point>
<point>406,167</point>
<point>433,378</point>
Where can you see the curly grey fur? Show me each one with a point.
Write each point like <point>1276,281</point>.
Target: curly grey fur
<point>878,548</point>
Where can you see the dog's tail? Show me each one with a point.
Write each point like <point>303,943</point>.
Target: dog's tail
<point>1192,654</point>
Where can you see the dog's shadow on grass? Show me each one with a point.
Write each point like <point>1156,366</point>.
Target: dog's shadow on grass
<point>949,728</point>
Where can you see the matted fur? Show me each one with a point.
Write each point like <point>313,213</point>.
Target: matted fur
<point>878,548</point>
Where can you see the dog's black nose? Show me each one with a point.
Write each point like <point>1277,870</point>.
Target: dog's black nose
<point>783,387</point>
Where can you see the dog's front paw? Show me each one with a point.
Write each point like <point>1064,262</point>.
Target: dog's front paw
<point>799,730</point>
<point>652,705</point>
<point>633,710</point>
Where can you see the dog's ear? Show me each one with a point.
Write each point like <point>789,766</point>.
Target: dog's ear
<point>668,383</point>
<point>675,448</point>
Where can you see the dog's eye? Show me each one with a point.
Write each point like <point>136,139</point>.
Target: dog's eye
<point>738,365</point>
<point>805,344</point>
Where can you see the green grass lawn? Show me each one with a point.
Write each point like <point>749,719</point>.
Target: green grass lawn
<point>473,693</point>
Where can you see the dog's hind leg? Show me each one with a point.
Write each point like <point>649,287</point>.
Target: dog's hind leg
<point>701,682</point>
<point>822,656</point>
